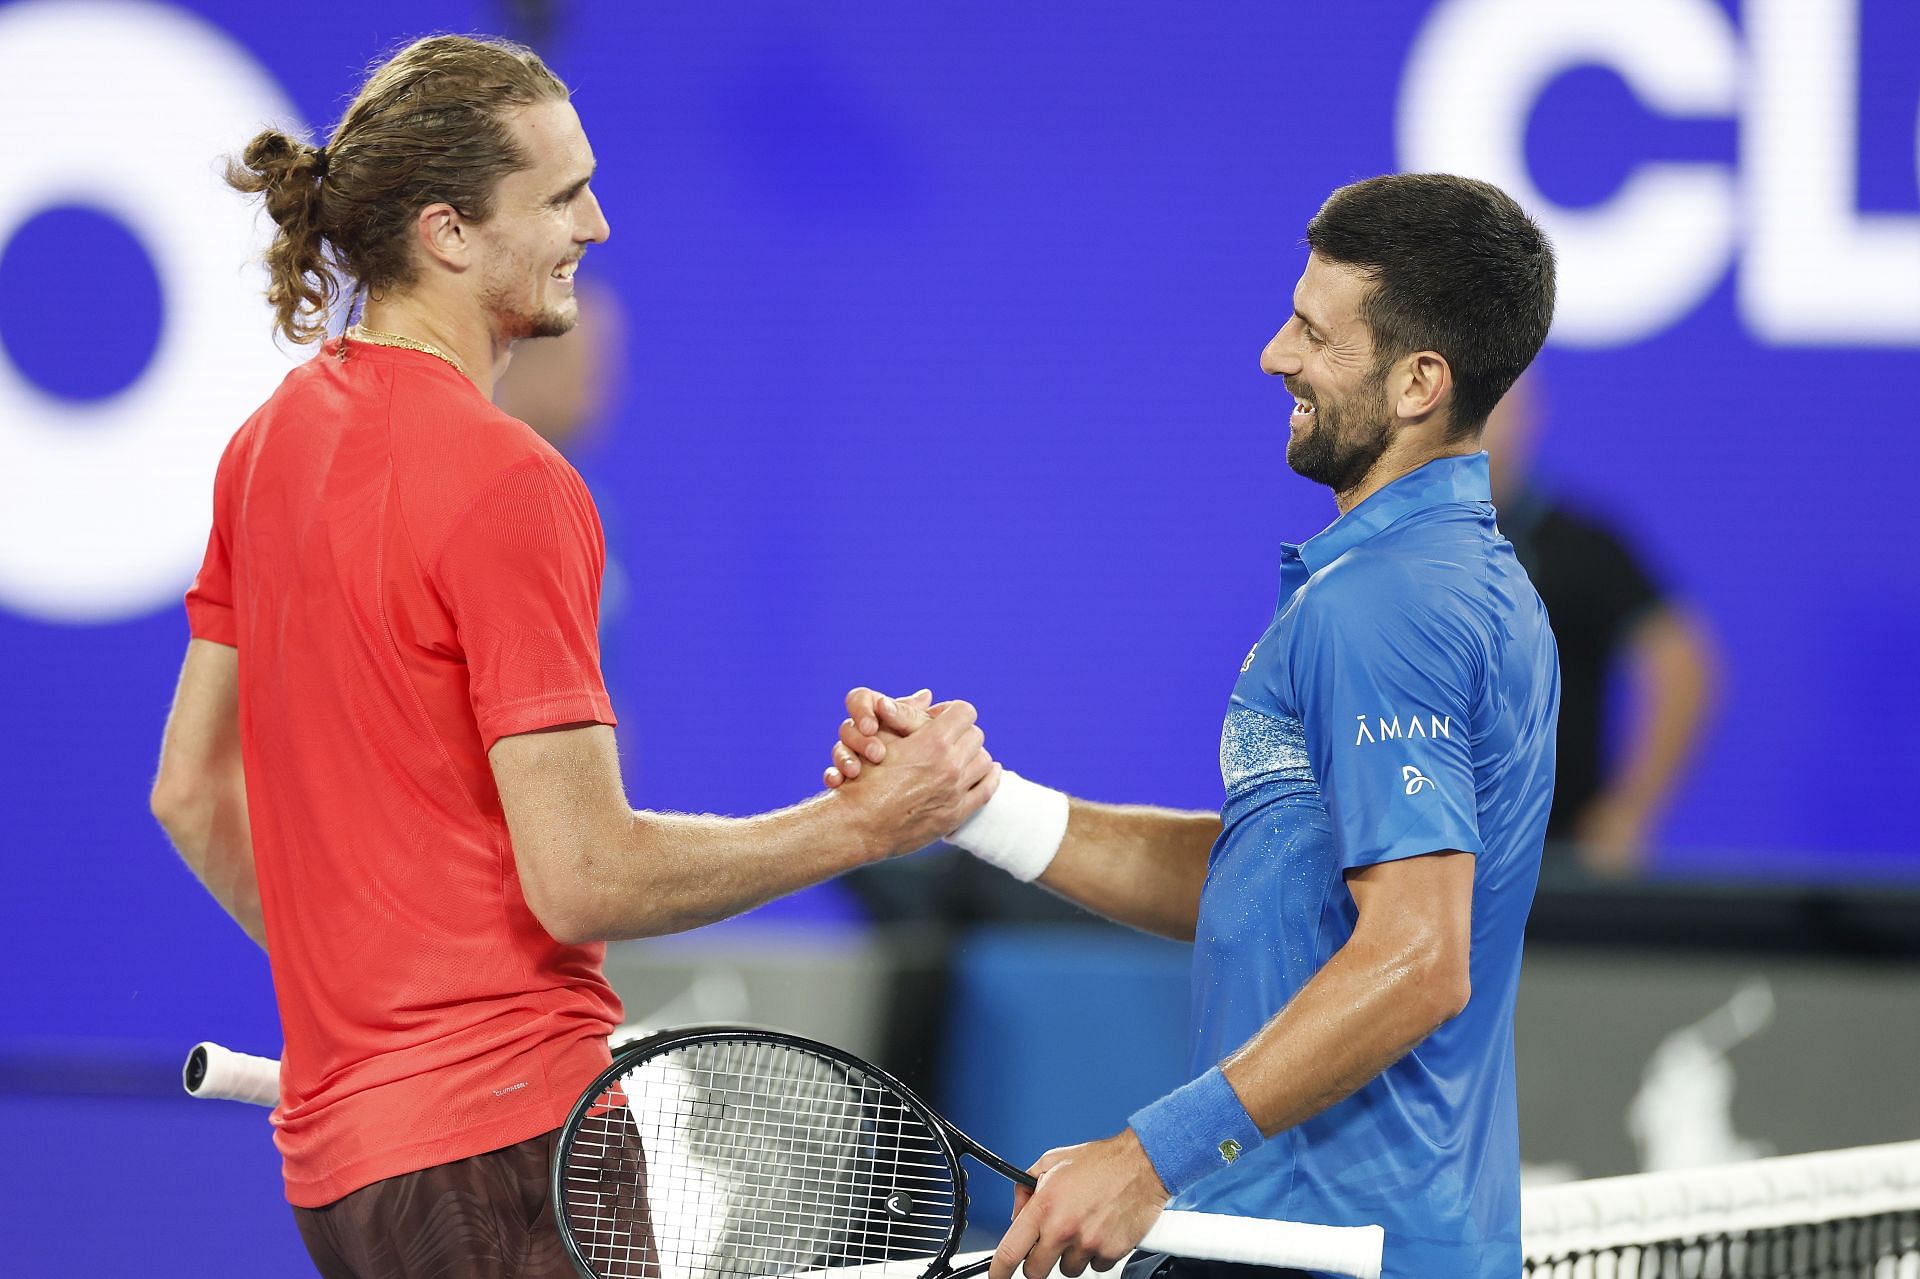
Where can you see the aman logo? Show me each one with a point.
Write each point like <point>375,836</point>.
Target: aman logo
<point>1380,730</point>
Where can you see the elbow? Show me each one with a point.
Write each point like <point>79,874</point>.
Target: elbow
<point>174,801</point>
<point>1452,997</point>
<point>1446,983</point>
<point>577,902</point>
<point>567,917</point>
<point>1428,973</point>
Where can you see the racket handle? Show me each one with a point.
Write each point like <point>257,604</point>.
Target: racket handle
<point>1205,1236</point>
<point>214,1073</point>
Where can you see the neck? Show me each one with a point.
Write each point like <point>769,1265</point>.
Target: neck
<point>468,338</point>
<point>1396,462</point>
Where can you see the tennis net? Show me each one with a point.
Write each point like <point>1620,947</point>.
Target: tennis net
<point>1844,1214</point>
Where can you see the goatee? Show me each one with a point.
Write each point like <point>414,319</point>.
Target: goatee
<point>1337,454</point>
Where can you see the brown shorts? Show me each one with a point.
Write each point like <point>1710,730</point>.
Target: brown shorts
<point>488,1217</point>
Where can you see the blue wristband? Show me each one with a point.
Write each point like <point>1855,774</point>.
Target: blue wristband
<point>1196,1129</point>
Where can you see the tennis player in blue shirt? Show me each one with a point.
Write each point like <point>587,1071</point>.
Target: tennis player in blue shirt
<point>1357,906</point>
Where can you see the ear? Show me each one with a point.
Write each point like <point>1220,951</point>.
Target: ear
<point>1421,386</point>
<point>444,236</point>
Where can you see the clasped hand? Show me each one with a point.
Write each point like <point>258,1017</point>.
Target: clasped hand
<point>924,783</point>
<point>1094,1202</point>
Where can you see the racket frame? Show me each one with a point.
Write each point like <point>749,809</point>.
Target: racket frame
<point>627,1058</point>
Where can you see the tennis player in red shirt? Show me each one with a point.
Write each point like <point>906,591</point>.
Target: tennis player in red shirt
<point>391,756</point>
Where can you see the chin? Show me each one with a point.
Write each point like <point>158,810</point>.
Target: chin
<point>550,323</point>
<point>553,324</point>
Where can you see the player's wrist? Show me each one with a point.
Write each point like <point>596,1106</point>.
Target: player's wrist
<point>855,824</point>
<point>1197,1129</point>
<point>1019,830</point>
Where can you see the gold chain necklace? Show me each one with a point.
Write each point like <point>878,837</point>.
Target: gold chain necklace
<point>374,337</point>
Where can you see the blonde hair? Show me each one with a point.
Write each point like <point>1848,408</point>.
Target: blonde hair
<point>429,126</point>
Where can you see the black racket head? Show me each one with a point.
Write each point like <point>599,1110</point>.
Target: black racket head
<point>726,1152</point>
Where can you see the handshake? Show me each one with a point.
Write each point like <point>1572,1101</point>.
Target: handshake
<point>918,770</point>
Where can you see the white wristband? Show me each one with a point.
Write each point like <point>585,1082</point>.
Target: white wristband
<point>1020,828</point>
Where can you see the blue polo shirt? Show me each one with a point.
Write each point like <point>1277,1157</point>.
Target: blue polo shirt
<point>1402,702</point>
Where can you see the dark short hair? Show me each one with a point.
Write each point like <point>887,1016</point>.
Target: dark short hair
<point>1457,267</point>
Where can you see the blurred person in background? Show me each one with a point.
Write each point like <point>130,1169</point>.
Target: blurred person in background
<point>1611,617</point>
<point>564,388</point>
<point>1357,907</point>
<point>567,387</point>
<point>391,755</point>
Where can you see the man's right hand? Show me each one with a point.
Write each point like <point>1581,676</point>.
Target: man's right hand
<point>934,770</point>
<point>873,721</point>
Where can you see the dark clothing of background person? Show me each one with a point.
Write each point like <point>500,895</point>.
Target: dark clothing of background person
<point>1596,590</point>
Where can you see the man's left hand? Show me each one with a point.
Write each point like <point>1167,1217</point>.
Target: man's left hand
<point>1093,1204</point>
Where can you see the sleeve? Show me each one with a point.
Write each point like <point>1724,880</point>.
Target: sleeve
<point>1385,689</point>
<point>520,574</point>
<point>1622,591</point>
<point>210,598</point>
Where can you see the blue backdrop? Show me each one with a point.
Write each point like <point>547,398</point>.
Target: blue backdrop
<point>939,367</point>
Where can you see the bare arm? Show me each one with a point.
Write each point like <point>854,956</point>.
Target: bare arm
<point>1674,672</point>
<point>1136,865</point>
<point>1132,863</point>
<point>594,869</point>
<point>1402,975</point>
<point>200,792</point>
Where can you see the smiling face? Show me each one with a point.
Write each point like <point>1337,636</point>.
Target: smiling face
<point>1342,421</point>
<point>544,217</point>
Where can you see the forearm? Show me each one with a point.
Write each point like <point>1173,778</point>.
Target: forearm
<point>1673,682</point>
<point>211,834</point>
<point>665,873</point>
<point>1368,1007</point>
<point>1134,864</point>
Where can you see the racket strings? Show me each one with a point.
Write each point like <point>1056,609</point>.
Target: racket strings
<point>739,1158</point>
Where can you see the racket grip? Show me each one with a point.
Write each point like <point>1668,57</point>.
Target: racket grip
<point>213,1073</point>
<point>1205,1236</point>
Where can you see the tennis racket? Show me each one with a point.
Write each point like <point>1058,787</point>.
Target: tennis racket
<point>216,1073</point>
<point>729,1153</point>
<point>213,1073</point>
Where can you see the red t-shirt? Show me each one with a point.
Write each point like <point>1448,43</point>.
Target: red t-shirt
<point>409,575</point>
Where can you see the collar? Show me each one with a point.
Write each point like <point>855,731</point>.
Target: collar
<point>1445,481</point>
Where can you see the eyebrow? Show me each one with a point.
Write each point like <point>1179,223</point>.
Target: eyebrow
<point>1309,321</point>
<point>563,196</point>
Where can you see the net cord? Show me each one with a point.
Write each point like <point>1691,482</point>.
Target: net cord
<point>1762,1194</point>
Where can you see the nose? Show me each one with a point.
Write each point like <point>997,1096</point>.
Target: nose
<point>1281,356</point>
<point>595,220</point>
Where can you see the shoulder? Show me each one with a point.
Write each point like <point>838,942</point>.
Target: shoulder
<point>467,442</point>
<point>1391,577</point>
<point>454,459</point>
<point>1386,602</point>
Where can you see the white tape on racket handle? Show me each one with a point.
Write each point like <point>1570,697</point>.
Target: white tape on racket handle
<point>1206,1236</point>
<point>232,1076</point>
